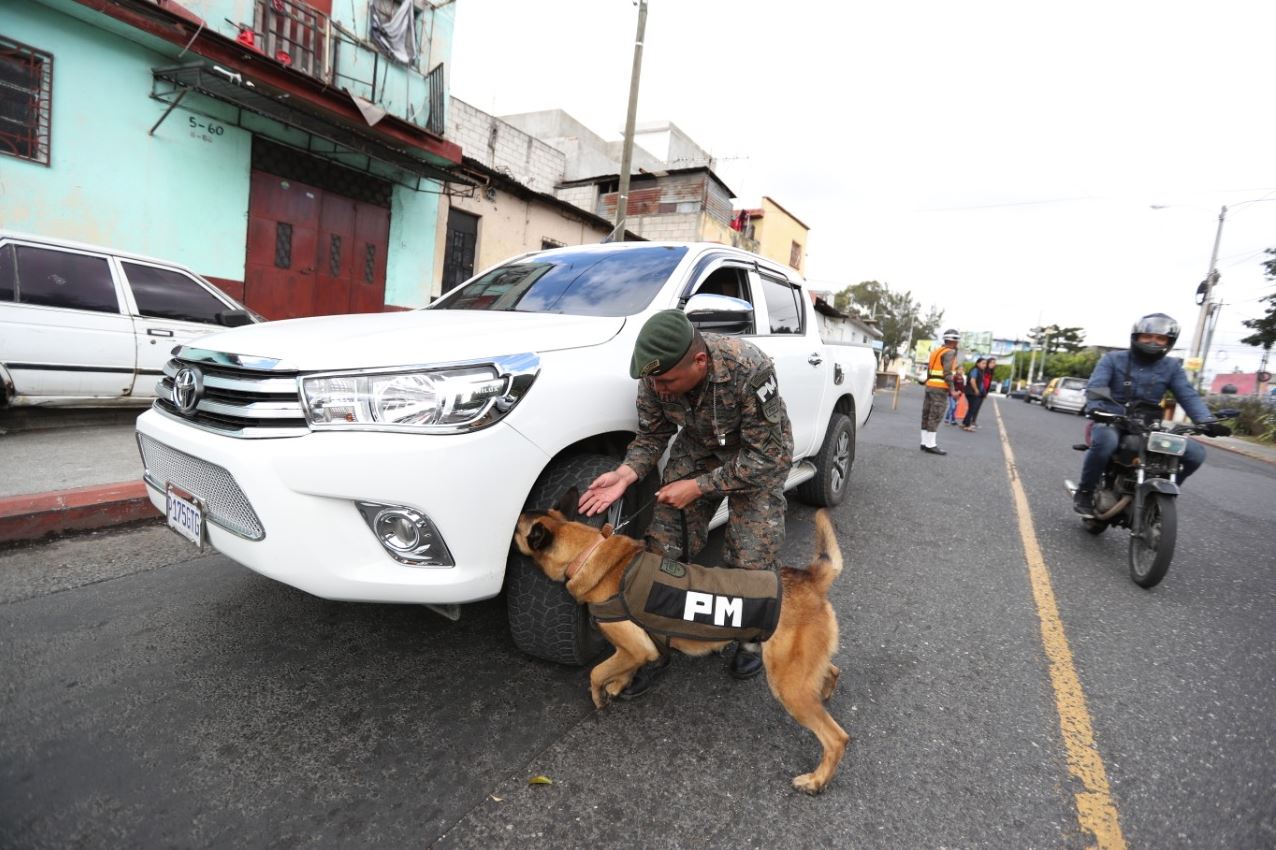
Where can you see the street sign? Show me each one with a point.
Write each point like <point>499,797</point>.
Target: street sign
<point>1193,363</point>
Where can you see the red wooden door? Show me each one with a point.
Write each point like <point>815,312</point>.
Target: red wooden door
<point>337,254</point>
<point>283,225</point>
<point>312,252</point>
<point>372,236</point>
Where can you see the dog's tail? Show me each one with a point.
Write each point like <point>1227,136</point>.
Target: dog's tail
<point>827,563</point>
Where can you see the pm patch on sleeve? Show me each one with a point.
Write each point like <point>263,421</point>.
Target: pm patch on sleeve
<point>767,389</point>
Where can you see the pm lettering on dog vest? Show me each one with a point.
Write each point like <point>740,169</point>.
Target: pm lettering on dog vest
<point>704,603</point>
<point>705,607</point>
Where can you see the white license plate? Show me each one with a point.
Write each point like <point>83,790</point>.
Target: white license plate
<point>185,514</point>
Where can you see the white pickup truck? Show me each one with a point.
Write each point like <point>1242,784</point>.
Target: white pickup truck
<point>386,457</point>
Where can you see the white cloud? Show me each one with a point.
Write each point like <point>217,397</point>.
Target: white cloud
<point>999,159</point>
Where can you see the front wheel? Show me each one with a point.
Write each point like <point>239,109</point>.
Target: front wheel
<point>544,620</point>
<point>832,465</point>
<point>1153,547</point>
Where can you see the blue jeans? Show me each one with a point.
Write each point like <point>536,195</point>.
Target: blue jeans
<point>1103,444</point>
<point>951,416</point>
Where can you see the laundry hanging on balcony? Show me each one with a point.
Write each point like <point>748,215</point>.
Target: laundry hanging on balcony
<point>393,28</point>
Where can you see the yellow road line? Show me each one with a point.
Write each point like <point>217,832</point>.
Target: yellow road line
<point>1096,810</point>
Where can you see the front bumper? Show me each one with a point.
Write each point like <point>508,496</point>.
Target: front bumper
<point>303,493</point>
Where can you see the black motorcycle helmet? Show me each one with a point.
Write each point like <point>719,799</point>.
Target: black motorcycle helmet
<point>1154,323</point>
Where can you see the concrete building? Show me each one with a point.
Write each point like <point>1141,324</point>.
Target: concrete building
<point>293,153</point>
<point>781,236</point>
<point>514,209</point>
<point>674,193</point>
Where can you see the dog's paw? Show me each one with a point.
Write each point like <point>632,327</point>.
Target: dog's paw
<point>601,698</point>
<point>808,784</point>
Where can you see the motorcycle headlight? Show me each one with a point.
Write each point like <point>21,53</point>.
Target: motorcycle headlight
<point>449,399</point>
<point>1167,444</point>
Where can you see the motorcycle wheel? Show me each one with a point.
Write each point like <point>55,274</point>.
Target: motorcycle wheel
<point>1152,549</point>
<point>1094,526</point>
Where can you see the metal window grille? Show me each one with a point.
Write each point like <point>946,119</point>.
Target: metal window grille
<point>283,245</point>
<point>334,255</point>
<point>369,262</point>
<point>26,101</point>
<point>294,34</point>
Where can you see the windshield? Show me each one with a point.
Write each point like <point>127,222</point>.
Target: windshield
<point>1073,384</point>
<point>577,283</point>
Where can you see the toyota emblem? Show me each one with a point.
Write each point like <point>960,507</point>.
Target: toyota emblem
<point>188,388</point>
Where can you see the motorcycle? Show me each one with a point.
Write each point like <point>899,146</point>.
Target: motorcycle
<point>1139,487</point>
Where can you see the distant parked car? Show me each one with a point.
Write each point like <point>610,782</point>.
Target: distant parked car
<point>82,325</point>
<point>1067,394</point>
<point>1034,391</point>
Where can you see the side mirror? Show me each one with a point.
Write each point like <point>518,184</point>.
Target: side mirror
<point>234,318</point>
<point>719,313</point>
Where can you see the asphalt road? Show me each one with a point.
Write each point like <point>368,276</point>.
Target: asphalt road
<point>152,696</point>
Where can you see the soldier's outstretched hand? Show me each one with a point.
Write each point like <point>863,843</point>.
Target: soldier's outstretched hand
<point>605,490</point>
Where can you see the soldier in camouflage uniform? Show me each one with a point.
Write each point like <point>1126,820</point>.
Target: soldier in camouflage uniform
<point>717,398</point>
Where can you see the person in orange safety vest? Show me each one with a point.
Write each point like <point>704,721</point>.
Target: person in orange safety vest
<point>939,386</point>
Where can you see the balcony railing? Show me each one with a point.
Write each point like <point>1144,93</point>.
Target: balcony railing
<point>294,34</point>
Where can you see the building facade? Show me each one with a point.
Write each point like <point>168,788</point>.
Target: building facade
<point>513,210</point>
<point>293,153</point>
<point>780,235</point>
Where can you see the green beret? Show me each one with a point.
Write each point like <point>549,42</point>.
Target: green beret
<point>661,343</point>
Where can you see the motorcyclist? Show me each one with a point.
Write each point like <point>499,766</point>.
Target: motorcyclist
<point>1141,374</point>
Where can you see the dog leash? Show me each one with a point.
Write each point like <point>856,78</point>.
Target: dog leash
<point>618,527</point>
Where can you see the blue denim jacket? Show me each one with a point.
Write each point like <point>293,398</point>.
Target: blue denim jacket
<point>1148,382</point>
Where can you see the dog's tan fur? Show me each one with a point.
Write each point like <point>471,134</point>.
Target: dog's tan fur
<point>798,657</point>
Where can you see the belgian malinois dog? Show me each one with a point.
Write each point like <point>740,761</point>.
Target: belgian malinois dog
<point>798,656</point>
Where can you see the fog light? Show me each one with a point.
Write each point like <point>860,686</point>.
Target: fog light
<point>406,534</point>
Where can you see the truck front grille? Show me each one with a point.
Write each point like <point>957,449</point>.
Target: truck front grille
<point>233,401</point>
<point>226,504</point>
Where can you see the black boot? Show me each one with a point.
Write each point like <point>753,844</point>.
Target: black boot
<point>747,661</point>
<point>647,675</point>
<point>935,450</point>
<point>1083,503</point>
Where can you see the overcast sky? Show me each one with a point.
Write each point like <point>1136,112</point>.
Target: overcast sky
<point>998,159</point>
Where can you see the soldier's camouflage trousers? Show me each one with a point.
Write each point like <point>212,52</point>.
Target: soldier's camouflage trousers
<point>933,408</point>
<point>755,527</point>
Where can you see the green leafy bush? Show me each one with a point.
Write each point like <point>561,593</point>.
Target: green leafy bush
<point>1256,419</point>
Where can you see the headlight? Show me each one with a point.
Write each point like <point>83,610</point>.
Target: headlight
<point>448,399</point>
<point>1167,444</point>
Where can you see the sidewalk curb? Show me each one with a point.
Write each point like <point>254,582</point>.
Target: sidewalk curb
<point>1243,450</point>
<point>24,518</point>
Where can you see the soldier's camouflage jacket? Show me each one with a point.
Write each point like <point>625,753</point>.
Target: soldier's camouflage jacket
<point>734,423</point>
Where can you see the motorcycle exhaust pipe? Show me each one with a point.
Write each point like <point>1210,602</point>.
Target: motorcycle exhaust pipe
<point>1115,509</point>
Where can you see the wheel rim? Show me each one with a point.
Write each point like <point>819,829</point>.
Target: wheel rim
<point>841,461</point>
<point>1149,539</point>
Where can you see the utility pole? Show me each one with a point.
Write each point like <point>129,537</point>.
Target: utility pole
<point>627,155</point>
<point>1207,288</point>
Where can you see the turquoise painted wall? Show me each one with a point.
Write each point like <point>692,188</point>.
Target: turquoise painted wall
<point>179,195</point>
<point>410,263</point>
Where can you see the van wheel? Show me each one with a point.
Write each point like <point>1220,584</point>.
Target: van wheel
<point>545,622</point>
<point>832,465</point>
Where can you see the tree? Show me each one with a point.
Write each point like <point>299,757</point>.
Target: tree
<point>1072,364</point>
<point>1056,338</point>
<point>864,297</point>
<point>898,315</point>
<point>1264,327</point>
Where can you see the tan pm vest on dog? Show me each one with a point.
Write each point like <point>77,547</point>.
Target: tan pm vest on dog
<point>671,599</point>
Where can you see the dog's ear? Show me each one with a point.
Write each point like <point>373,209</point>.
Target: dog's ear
<point>569,503</point>
<point>538,536</point>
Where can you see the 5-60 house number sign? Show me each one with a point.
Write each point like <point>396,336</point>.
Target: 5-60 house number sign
<point>205,131</point>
